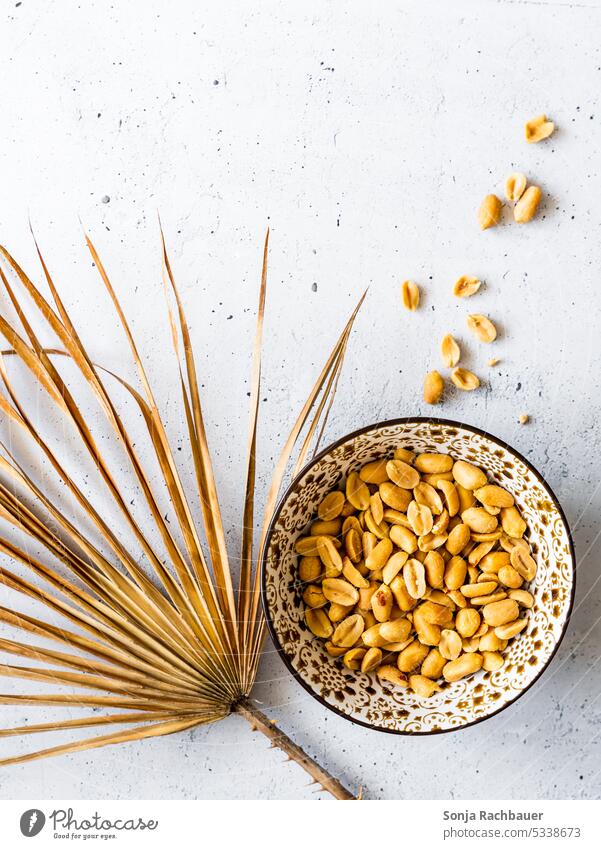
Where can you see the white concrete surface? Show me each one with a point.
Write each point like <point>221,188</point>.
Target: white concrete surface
<point>365,135</point>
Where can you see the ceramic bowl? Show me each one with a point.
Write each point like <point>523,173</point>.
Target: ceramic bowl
<point>360,697</point>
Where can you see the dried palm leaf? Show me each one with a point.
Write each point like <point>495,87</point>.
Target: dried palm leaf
<point>157,633</point>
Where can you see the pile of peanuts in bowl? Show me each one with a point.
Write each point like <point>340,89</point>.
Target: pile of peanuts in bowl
<point>416,570</point>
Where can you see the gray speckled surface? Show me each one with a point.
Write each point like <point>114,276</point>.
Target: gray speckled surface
<point>366,137</point>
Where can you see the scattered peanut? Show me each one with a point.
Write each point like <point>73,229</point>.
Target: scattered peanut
<point>489,213</point>
<point>450,350</point>
<point>525,208</point>
<point>420,561</point>
<point>466,286</point>
<point>524,418</point>
<point>464,379</point>
<point>410,295</point>
<point>433,387</point>
<point>538,128</point>
<point>515,185</point>
<point>482,327</point>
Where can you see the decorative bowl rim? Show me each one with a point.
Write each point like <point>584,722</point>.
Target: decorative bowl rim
<point>289,491</point>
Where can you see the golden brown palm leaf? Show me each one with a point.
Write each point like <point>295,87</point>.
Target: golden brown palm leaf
<point>156,636</point>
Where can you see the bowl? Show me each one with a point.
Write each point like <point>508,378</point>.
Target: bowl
<point>360,697</point>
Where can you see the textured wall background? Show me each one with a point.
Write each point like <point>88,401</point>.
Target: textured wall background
<point>365,136</point>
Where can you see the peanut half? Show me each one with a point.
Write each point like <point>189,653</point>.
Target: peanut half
<point>489,213</point>
<point>433,387</point>
<point>410,295</point>
<point>525,208</point>
<point>466,286</point>
<point>515,186</point>
<point>415,570</point>
<point>538,128</point>
<point>465,379</point>
<point>450,350</point>
<point>482,327</point>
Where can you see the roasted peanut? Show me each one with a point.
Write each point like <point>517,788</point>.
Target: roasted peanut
<point>506,632</point>
<point>420,518</point>
<point>378,557</point>
<point>489,213</point>
<point>468,476</point>
<point>309,569</point>
<point>371,659</point>
<point>514,186</point>
<point>331,506</point>
<point>410,295</point>
<point>391,675</point>
<point>415,578</point>
<point>523,597</point>
<point>480,588</point>
<point>334,651</point>
<point>433,463</point>
<point>478,520</point>
<point>357,492</point>
<point>338,612</point>
<point>396,631</point>
<point>494,561</point>
<point>422,686</point>
<point>352,544</point>
<point>319,623</point>
<point>433,387</point>
<point>482,327</point>
<point>401,596</point>
<point>314,597</point>
<point>433,664</point>
<point>523,563</point>
<point>353,658</point>
<point>373,638</point>
<point>458,538</point>
<point>466,286</point>
<point>525,209</point>
<point>322,528</point>
<point>395,497</point>
<point>339,591</point>
<point>403,538</point>
<point>490,598</point>
<point>512,523</point>
<point>494,496</point>
<point>402,474</point>
<point>435,614</point>
<point>381,603</point>
<point>538,128</point>
<point>455,572</point>
<point>464,665</point>
<point>434,566</point>
<point>374,472</point>
<point>412,656</point>
<point>510,578</point>
<point>467,622</point>
<point>450,350</point>
<point>489,642</point>
<point>500,612</point>
<point>377,508</point>
<point>425,493</point>
<point>451,496</point>
<point>450,644</point>
<point>348,631</point>
<point>492,661</point>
